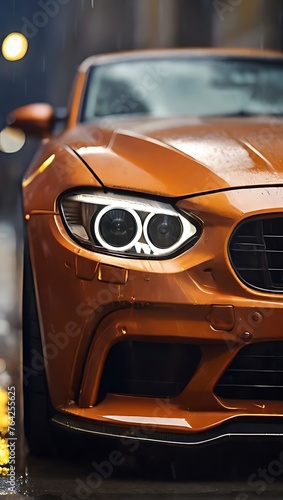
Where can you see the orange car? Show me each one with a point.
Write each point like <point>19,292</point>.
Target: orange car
<point>153,279</point>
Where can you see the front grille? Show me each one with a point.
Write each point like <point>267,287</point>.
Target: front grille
<point>256,253</point>
<point>149,369</point>
<point>256,373</point>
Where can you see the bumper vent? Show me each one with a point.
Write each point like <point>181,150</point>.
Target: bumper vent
<point>256,253</point>
<point>149,369</point>
<point>256,373</point>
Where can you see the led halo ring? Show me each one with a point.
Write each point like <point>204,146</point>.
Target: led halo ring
<point>155,249</point>
<point>101,240</point>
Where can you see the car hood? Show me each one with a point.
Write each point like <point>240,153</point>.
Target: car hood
<point>183,157</point>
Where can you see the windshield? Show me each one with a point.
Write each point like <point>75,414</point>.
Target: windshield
<point>184,86</point>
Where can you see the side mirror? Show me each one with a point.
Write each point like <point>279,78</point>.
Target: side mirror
<point>33,119</point>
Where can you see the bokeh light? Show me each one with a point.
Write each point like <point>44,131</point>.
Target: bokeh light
<point>11,140</point>
<point>14,46</point>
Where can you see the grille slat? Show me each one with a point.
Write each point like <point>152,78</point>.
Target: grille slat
<point>255,373</point>
<point>258,386</point>
<point>256,252</point>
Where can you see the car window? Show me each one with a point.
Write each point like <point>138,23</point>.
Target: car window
<point>198,87</point>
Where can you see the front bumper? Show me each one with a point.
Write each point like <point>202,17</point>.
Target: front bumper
<point>89,303</point>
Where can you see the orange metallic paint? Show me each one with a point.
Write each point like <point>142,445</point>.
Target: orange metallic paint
<point>195,297</point>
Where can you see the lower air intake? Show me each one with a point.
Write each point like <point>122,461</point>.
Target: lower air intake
<point>256,373</point>
<point>149,369</point>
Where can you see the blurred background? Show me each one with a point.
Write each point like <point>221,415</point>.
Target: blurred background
<point>60,34</point>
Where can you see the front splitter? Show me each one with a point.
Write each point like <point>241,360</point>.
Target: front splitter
<point>238,429</point>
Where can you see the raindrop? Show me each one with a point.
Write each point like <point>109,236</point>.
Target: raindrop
<point>173,470</point>
<point>63,38</point>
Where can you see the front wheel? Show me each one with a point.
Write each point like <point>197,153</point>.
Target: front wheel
<point>37,406</point>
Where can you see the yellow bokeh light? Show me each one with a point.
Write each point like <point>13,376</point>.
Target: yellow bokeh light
<point>14,46</point>
<point>4,423</point>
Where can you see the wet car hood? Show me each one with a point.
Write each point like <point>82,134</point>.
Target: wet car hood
<point>180,157</point>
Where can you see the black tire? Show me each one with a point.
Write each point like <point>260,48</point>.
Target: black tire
<point>37,407</point>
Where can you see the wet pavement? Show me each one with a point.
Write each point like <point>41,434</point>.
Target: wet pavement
<point>86,469</point>
<point>233,472</point>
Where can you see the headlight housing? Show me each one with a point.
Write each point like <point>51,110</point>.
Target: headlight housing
<point>127,226</point>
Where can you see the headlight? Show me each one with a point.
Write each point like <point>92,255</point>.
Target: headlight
<point>116,228</point>
<point>127,226</point>
<point>162,230</point>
